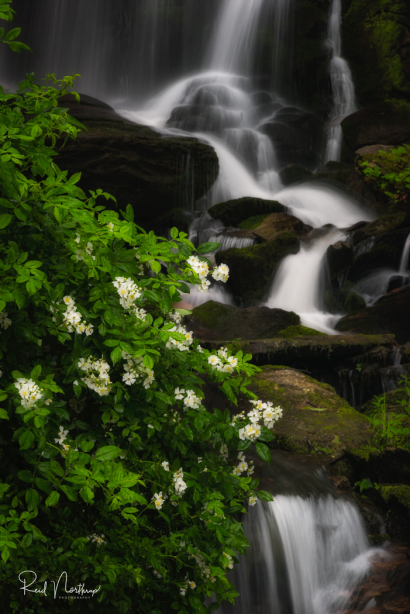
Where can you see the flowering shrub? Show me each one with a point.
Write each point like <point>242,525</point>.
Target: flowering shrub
<point>113,469</point>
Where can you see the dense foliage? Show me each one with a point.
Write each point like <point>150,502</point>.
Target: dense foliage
<point>112,469</point>
<point>395,183</point>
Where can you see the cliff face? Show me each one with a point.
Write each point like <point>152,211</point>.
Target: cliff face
<point>376,42</point>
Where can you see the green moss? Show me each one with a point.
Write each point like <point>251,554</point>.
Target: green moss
<point>233,212</point>
<point>299,331</point>
<point>400,492</point>
<point>252,222</point>
<point>378,540</point>
<point>212,313</point>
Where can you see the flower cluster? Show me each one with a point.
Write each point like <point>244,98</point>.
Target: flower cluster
<point>62,436</point>
<point>97,377</point>
<point>203,567</point>
<point>88,250</point>
<point>129,292</point>
<point>29,392</point>
<point>158,500</point>
<point>222,361</point>
<point>179,484</point>
<point>201,268</point>
<point>183,345</point>
<point>73,319</point>
<point>266,410</point>
<point>134,369</point>
<point>4,320</point>
<point>230,560</point>
<point>98,539</point>
<point>189,397</point>
<point>243,466</point>
<point>188,584</point>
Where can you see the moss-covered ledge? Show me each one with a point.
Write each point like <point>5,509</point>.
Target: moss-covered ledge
<point>315,418</point>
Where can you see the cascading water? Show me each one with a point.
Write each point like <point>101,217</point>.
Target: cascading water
<point>342,84</point>
<point>308,551</point>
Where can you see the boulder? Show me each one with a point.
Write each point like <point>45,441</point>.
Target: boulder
<point>384,224</point>
<point>233,212</point>
<point>389,315</point>
<point>385,124</point>
<point>253,222</point>
<point>314,416</point>
<point>339,258</point>
<point>134,163</point>
<point>277,224</point>
<point>386,251</point>
<point>212,321</point>
<point>293,173</point>
<point>292,144</point>
<point>251,268</point>
<point>376,42</point>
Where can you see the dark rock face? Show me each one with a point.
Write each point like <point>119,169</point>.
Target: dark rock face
<point>134,163</point>
<point>339,258</point>
<point>386,223</point>
<point>376,41</point>
<point>212,321</point>
<point>389,315</point>
<point>233,212</point>
<point>251,268</point>
<point>293,173</point>
<point>386,251</point>
<point>386,124</point>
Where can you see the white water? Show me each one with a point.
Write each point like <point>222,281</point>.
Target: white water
<point>342,84</point>
<point>307,555</point>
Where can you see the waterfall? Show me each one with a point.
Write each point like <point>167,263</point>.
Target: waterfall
<point>404,262</point>
<point>307,556</point>
<point>342,84</point>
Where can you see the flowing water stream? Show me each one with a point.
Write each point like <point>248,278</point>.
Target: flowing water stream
<point>309,546</point>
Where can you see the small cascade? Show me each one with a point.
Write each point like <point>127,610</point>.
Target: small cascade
<point>342,84</point>
<point>228,242</point>
<point>307,556</point>
<point>391,376</point>
<point>404,262</point>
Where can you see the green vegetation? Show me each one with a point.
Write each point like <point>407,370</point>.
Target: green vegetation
<point>252,222</point>
<point>392,428</point>
<point>395,182</point>
<point>112,469</point>
<point>299,331</point>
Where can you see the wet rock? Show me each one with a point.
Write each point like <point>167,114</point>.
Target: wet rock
<point>292,144</point>
<point>345,177</point>
<point>386,223</point>
<point>238,233</point>
<point>293,173</point>
<point>179,218</point>
<point>233,212</point>
<point>389,315</point>
<point>134,163</point>
<point>354,302</point>
<point>314,416</point>
<point>339,258</point>
<point>277,224</point>
<point>212,321</point>
<point>397,281</point>
<point>253,222</point>
<point>386,251</point>
<point>251,268</point>
<point>385,124</point>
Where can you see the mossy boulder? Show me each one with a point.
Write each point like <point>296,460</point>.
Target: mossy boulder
<point>296,330</point>
<point>384,224</point>
<point>251,269</point>
<point>233,212</point>
<point>386,251</point>
<point>339,257</point>
<point>277,224</point>
<point>389,315</point>
<point>344,176</point>
<point>314,416</point>
<point>385,124</point>
<point>214,320</point>
<point>377,44</point>
<point>135,163</point>
<point>398,492</point>
<point>253,222</point>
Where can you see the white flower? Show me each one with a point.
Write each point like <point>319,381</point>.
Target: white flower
<point>252,500</point>
<point>165,464</point>
<point>4,320</point>
<point>191,584</point>
<point>221,273</point>
<point>150,426</point>
<point>111,227</point>
<point>158,500</point>
<point>179,393</point>
<point>236,471</point>
<point>242,466</point>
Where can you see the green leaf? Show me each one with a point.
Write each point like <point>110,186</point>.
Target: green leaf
<point>3,414</point>
<point>5,220</point>
<point>52,498</point>
<point>206,248</point>
<point>263,451</point>
<point>155,266</point>
<point>112,343</point>
<point>25,475</point>
<point>33,264</point>
<point>174,233</point>
<point>116,355</point>
<point>32,497</point>
<point>70,493</point>
<point>44,485</point>
<point>36,372</point>
<point>12,34</point>
<point>264,495</point>
<point>148,362</point>
<point>107,453</point>
<point>27,540</point>
<point>26,440</point>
